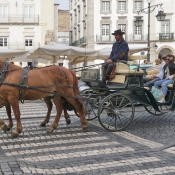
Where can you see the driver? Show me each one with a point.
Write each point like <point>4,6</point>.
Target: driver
<point>119,53</point>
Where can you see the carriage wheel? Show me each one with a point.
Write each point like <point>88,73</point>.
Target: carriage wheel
<point>92,99</point>
<point>163,109</point>
<point>116,112</point>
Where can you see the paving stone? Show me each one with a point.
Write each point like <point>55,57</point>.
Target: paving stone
<point>146,146</point>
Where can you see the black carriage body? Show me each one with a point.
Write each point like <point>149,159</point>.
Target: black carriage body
<point>133,86</point>
<point>128,93</point>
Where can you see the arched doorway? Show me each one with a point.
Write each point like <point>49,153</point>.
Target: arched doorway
<point>165,51</point>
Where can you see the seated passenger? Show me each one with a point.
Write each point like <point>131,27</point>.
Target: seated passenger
<point>145,62</point>
<point>149,81</point>
<point>169,74</point>
<point>157,61</point>
<point>119,53</point>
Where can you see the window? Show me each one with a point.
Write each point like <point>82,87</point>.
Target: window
<point>105,32</point>
<point>105,29</point>
<point>28,42</point>
<point>137,33</point>
<point>122,27</point>
<point>105,6</point>
<point>138,30</point>
<point>3,42</point>
<point>165,26</point>
<point>3,12</point>
<point>137,5</point>
<point>28,12</point>
<point>122,5</point>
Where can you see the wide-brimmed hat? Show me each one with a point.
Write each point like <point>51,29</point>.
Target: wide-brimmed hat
<point>164,57</point>
<point>118,32</point>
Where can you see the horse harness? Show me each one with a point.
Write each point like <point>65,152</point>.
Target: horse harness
<point>3,72</point>
<point>23,82</point>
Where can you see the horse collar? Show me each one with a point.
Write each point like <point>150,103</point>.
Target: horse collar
<point>3,71</point>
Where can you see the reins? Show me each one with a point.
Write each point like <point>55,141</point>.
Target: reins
<point>36,88</point>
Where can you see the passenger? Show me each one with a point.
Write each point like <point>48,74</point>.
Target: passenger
<point>145,62</point>
<point>149,81</point>
<point>169,75</point>
<point>157,61</point>
<point>119,53</point>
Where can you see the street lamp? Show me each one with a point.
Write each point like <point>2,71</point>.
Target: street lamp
<point>160,17</point>
<point>138,22</point>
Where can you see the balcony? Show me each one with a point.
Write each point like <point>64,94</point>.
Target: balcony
<point>19,19</point>
<point>166,36</point>
<point>129,38</point>
<point>137,38</point>
<point>105,39</point>
<point>20,46</point>
<point>79,42</point>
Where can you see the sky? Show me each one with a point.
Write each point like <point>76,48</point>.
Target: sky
<point>64,4</point>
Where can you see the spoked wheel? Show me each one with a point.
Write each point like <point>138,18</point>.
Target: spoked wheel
<point>163,109</point>
<point>92,99</point>
<point>116,112</point>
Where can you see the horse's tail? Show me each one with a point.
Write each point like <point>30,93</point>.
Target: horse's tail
<point>77,92</point>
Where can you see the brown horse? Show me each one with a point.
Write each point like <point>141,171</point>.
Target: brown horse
<point>59,84</point>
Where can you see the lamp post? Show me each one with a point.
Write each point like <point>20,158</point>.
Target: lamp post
<point>160,17</point>
<point>148,54</point>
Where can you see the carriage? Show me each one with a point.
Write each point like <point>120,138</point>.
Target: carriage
<point>114,103</point>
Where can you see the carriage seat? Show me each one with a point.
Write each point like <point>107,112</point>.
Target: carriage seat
<point>122,70</point>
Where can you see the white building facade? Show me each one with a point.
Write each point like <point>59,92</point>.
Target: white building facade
<point>93,21</point>
<point>63,26</point>
<point>26,24</point>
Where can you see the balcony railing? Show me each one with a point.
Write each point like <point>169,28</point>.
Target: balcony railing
<point>20,46</point>
<point>79,42</point>
<point>130,37</point>
<point>166,36</point>
<point>137,37</point>
<point>105,38</point>
<point>19,19</point>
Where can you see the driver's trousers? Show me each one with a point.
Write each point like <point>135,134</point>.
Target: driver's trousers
<point>106,71</point>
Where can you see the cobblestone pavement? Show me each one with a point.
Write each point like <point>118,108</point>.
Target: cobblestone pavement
<point>147,146</point>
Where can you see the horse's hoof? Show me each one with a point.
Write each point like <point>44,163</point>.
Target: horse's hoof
<point>43,124</point>
<point>4,128</point>
<point>8,128</point>
<point>14,134</point>
<point>68,121</point>
<point>85,128</point>
<point>50,130</point>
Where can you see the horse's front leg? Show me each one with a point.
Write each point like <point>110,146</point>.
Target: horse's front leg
<point>8,110</point>
<point>59,107</point>
<point>49,109</point>
<point>15,106</point>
